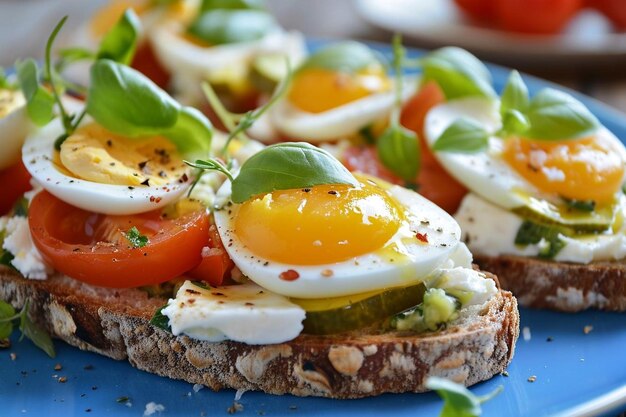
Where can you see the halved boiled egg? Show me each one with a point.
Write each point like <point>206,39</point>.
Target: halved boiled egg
<point>335,240</point>
<point>326,103</point>
<point>102,172</point>
<point>191,61</point>
<point>14,125</point>
<point>513,169</point>
<point>90,33</point>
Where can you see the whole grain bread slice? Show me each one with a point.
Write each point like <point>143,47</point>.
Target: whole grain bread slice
<point>560,286</point>
<point>115,323</point>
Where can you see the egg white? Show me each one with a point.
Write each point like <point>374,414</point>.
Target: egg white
<point>340,122</point>
<point>410,264</point>
<point>485,172</point>
<point>38,155</point>
<point>13,130</point>
<point>191,64</point>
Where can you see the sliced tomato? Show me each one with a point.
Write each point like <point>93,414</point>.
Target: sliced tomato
<point>478,9</point>
<point>536,16</point>
<point>146,62</point>
<point>215,264</point>
<point>94,248</point>
<point>414,113</point>
<point>365,159</point>
<point>15,181</point>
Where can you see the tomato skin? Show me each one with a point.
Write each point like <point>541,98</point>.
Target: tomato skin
<point>478,9</point>
<point>434,182</point>
<point>614,10</point>
<point>215,264</point>
<point>14,181</point>
<point>146,62</point>
<point>414,113</point>
<point>66,236</point>
<point>535,16</point>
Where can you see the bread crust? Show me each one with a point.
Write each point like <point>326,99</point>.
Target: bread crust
<point>115,323</point>
<point>560,286</point>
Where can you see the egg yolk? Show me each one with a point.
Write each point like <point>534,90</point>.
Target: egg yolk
<point>317,90</point>
<point>95,154</point>
<point>582,169</point>
<point>318,225</point>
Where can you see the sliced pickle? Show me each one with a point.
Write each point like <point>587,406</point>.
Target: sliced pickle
<point>342,314</point>
<point>542,211</point>
<point>267,71</point>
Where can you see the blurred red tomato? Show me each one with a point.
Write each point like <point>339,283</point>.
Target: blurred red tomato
<point>478,9</point>
<point>146,62</point>
<point>536,16</point>
<point>615,10</point>
<point>14,182</point>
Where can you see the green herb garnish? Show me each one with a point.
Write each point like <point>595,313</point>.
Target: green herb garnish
<point>550,115</point>
<point>118,44</point>
<point>226,26</point>
<point>136,239</point>
<point>8,319</point>
<point>465,135</point>
<point>458,400</point>
<point>398,147</point>
<point>458,73</point>
<point>160,320</point>
<point>348,56</point>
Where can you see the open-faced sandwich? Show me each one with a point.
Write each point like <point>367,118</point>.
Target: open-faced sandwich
<point>278,271</point>
<point>237,46</point>
<point>546,208</point>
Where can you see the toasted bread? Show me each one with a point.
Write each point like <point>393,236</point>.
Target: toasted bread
<point>115,323</point>
<point>561,286</point>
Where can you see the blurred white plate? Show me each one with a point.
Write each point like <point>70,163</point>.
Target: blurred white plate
<point>588,40</point>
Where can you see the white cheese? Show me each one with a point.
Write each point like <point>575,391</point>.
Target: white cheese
<point>27,259</point>
<point>468,285</point>
<point>244,313</point>
<point>491,230</point>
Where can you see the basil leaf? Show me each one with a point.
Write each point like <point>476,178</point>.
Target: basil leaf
<point>219,27</point>
<point>160,320</point>
<point>346,56</point>
<point>399,150</point>
<point>126,102</point>
<point>515,95</point>
<point>555,115</point>
<point>287,166</point>
<point>231,4</point>
<point>6,312</point>
<point>192,131</point>
<point>458,73</point>
<point>514,122</point>
<point>464,136</point>
<point>120,43</point>
<point>36,334</point>
<point>40,102</point>
<point>458,400</point>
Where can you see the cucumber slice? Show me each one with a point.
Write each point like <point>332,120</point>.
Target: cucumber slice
<point>343,314</point>
<point>267,71</point>
<point>542,211</point>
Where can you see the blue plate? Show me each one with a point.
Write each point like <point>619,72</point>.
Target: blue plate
<point>577,373</point>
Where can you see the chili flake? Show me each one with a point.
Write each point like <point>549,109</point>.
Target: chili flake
<point>422,237</point>
<point>289,275</point>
